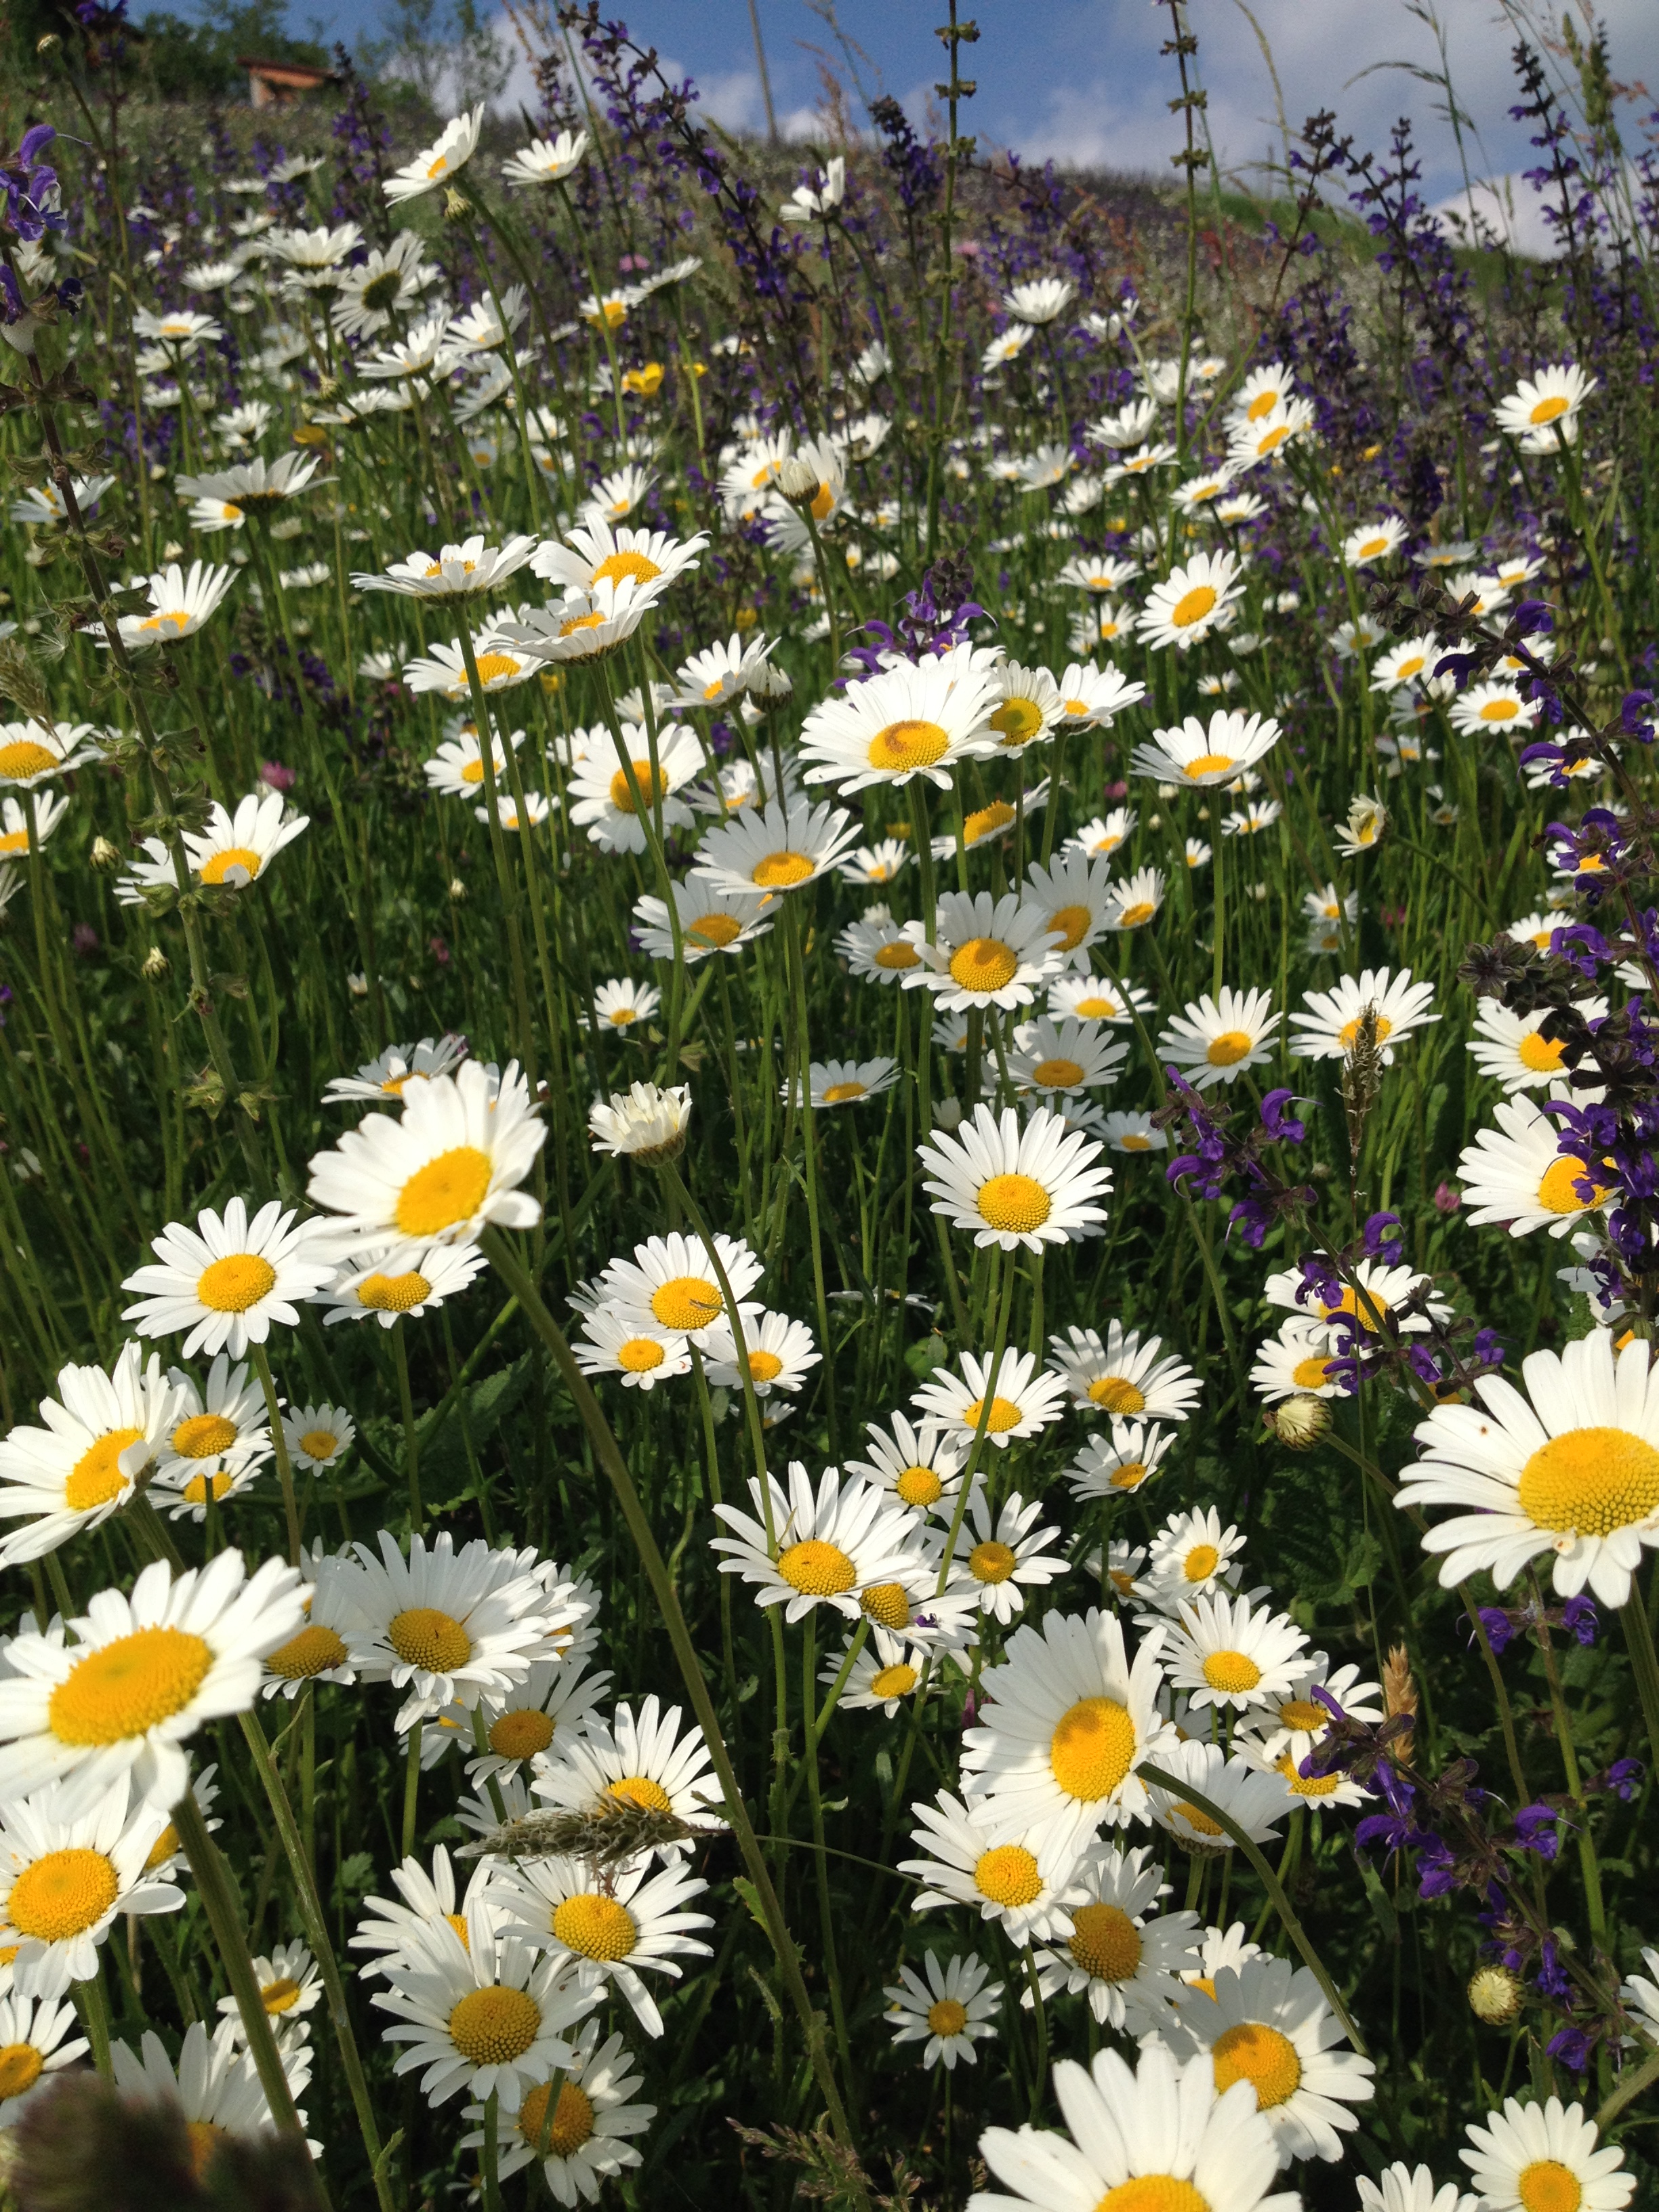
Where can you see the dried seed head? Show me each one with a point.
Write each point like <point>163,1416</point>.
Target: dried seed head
<point>606,1835</point>
<point>1400,1695</point>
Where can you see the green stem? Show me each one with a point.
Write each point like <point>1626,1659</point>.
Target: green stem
<point>1644,1665</point>
<point>279,1445</point>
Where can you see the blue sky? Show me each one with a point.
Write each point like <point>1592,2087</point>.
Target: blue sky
<point>1082,80</point>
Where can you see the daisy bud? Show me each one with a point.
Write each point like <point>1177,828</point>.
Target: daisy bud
<point>358,986</point>
<point>947,1114</point>
<point>457,888</point>
<point>798,480</point>
<point>457,207</point>
<point>104,854</point>
<point>1299,1422</point>
<point>646,1124</point>
<point>1494,1995</point>
<point>155,963</point>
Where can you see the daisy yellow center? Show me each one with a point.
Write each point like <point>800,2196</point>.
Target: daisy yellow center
<point>493,667</point>
<point>573,2119</point>
<point>235,1284</point>
<point>1303,1715</point>
<point>1201,1562</point>
<point>1092,1748</point>
<point>640,1355</point>
<point>888,1604</point>
<point>1557,1193</point>
<point>1105,1942</point>
<point>1017,1203</point>
<point>1096,1010</point>
<point>20,2067</point>
<point>95,1477</point>
<point>458,1922</point>
<point>685,1302</point>
<point>1259,2055</point>
<point>594,1926</point>
<point>1263,403</point>
<point>1301,1785</point>
<point>1192,606</point>
<point>1133,1141</point>
<point>1208,764</point>
<point>1154,2193</point>
<point>1228,1049</point>
<point>900,954</point>
<point>1541,1054</point>
<point>985,820</point>
<point>424,1637</point>
<point>991,1563</point>
<point>62,1894</point>
<point>618,567</point>
<point>1018,721</point>
<point>312,1652</point>
<point>128,1686</point>
<point>817,1569</point>
<point>521,1734</point>
<point>904,747</point>
<point>1349,1033</point>
<point>1007,1876</point>
<point>195,1491</point>
<point>204,1435</point>
<point>1069,924</point>
<point>218,866</point>
<point>895,1681</point>
<point>1549,410</point>
<point>947,2018</point>
<point>1371,547</point>
<point>843,1094</point>
<point>15,840</point>
<point>595,620</point>
<point>984,963</point>
<point>1117,1394</point>
<point>1311,1373</point>
<point>319,1444</point>
<point>24,758</point>
<point>450,1189</point>
<point>1591,1480</point>
<point>1500,710</point>
<point>781,871</point>
<point>493,2027</point>
<point>640,1790</point>
<point>201,2136</point>
<point>1129,1475</point>
<point>1546,2185</point>
<point>919,1486</point>
<point>1057,1074</point>
<point>622,795</point>
<point>1234,1672</point>
<point>764,1366</point>
<point>1132,917</point>
<point>715,929</point>
<point>1005,1415</point>
<point>164,1848</point>
<point>281,1996</point>
<point>394,1293</point>
<point>620,1017</point>
<point>471,772</point>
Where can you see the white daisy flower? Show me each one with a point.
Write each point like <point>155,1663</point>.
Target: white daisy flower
<point>584,2143</point>
<point>437,164</point>
<point>1256,1800</point>
<point>179,605</point>
<point>1517,1175</point>
<point>1545,407</point>
<point>1329,1025</point>
<point>1512,1048</point>
<point>65,1880</point>
<point>228,1278</point>
<point>458,571</point>
<point>884,1674</point>
<point>1023,1399</point>
<point>952,2010</point>
<point>450,1165</point>
<point>1271,2025</point>
<point>1096,999</point>
<point>397,1933</point>
<point>1195,757</point>
<point>825,1546</point>
<point>621,1005</point>
<point>36,2039</point>
<point>1223,1651</point>
<point>1365,1303</point>
<point>913,719</point>
<point>642,1123</point>
<point>457,771</point>
<point>1288,1727</point>
<point>290,1985</point>
<point>1190,602</point>
<point>1215,1040</point>
<point>671,1283</point>
<point>1072,895</point>
<point>707,679</point>
<point>485,2015</point>
<point>988,952</point>
<point>1091,698</point>
<point>843,1082</point>
<point>554,1704</point>
<point>319,1651</point>
<point>224,1424</point>
<point>1011,1185</point>
<point>1403,2188</point>
<point>1125,1375</point>
<point>920,1466</point>
<point>877,864</point>
<point>1062,1059</point>
<point>771,849</point>
<point>1190,1556</point>
<point>145,1673</point>
<point>1132,1133</point>
<point>403,1279</point>
<point>1532,2158</point>
<point>778,1351</point>
<point>1156,2134</point>
<point>1108,1467</point>
<point>1373,541</point>
<point>99,1435</point>
<point>1027,1886</point>
<point>1411,662</point>
<point>1298,1363</point>
<point>1575,1472</point>
<point>381,1080</point>
<point>447,1625</point>
<point>1127,1956</point>
<point>603,800</point>
<point>639,1759</point>
<point>1362,831</point>
<point>607,1931</point>
<point>636,1349</point>
<point>216,2089</point>
<point>1064,1722</point>
<point>1136,900</point>
<point>318,1435</point>
<point>710,920</point>
<point>880,952</point>
<point>1100,837</point>
<point>443,669</point>
<point>1010,1549</point>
